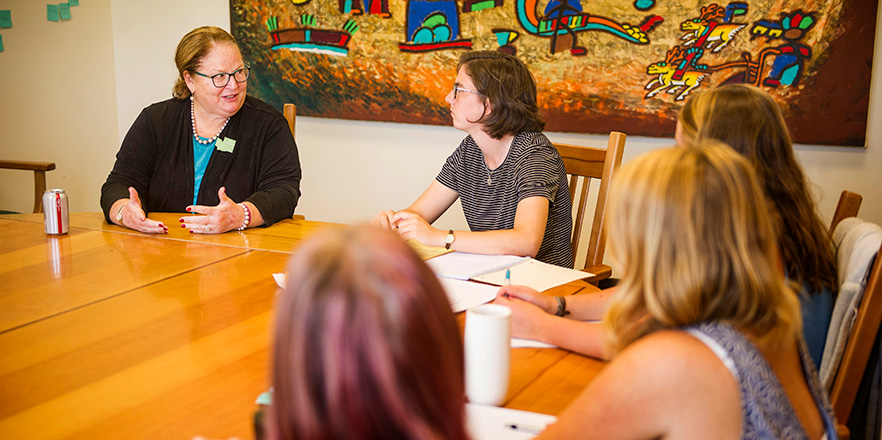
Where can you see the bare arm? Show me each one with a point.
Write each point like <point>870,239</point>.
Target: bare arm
<point>665,385</point>
<point>533,317</point>
<point>433,202</point>
<point>523,239</point>
<point>531,322</point>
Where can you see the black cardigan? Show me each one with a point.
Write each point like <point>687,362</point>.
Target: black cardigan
<point>156,158</point>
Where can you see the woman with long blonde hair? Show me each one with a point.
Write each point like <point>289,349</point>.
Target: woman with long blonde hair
<point>703,330</point>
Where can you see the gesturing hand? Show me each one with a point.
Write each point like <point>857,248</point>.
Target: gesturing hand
<point>412,226</point>
<point>226,216</point>
<point>132,216</point>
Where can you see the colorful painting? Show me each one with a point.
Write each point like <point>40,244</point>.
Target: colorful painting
<point>600,66</point>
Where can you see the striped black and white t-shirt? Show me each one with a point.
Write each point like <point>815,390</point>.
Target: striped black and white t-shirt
<point>532,168</point>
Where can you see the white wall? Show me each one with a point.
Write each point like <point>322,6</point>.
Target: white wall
<point>57,101</point>
<point>351,169</point>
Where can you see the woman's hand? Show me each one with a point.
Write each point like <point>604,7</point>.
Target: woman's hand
<point>544,302</point>
<point>226,216</point>
<point>132,216</point>
<point>412,226</point>
<point>527,319</point>
<point>384,219</point>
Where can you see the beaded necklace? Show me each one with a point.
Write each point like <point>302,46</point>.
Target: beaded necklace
<point>198,138</point>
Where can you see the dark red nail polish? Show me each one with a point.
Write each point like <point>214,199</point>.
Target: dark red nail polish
<point>188,209</point>
<point>183,226</point>
<point>181,220</point>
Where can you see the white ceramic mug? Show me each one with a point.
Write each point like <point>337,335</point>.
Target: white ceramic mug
<point>487,353</point>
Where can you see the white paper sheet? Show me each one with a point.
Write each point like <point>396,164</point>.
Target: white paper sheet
<point>536,274</point>
<point>463,265</point>
<point>529,343</point>
<point>464,295</point>
<point>495,423</point>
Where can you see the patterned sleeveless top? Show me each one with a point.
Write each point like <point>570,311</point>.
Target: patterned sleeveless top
<point>766,412</point>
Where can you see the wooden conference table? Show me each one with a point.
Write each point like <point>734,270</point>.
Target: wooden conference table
<point>107,333</point>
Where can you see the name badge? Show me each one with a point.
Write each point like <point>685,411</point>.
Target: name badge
<point>226,145</point>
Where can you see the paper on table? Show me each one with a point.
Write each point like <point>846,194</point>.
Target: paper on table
<point>463,265</point>
<point>280,279</point>
<point>536,274</point>
<point>529,343</point>
<point>464,295</point>
<point>491,422</point>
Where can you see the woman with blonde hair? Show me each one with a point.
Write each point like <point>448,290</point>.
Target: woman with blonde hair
<point>703,329</point>
<point>747,119</point>
<point>365,344</point>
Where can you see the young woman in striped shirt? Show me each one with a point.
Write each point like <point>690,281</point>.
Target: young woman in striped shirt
<point>509,177</point>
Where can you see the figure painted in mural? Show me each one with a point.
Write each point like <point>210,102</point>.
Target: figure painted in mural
<point>210,150</point>
<point>365,345</point>
<point>790,61</point>
<point>508,176</point>
<point>703,329</point>
<point>749,120</point>
<point>355,7</point>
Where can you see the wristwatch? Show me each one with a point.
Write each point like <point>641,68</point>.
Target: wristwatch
<point>448,240</point>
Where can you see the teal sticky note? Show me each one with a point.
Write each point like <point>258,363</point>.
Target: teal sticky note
<point>64,10</point>
<point>5,19</point>
<point>52,12</point>
<point>74,2</point>
<point>1,43</point>
<point>225,144</point>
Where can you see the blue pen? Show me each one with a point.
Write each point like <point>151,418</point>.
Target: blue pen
<point>507,277</point>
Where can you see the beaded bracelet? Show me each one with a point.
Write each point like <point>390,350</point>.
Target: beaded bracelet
<point>247,217</point>
<point>561,306</point>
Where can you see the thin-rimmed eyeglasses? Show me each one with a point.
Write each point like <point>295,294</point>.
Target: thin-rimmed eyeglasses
<point>457,89</point>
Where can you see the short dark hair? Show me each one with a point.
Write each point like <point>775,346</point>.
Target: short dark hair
<point>510,88</point>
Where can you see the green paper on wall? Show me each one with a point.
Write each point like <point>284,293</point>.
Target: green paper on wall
<point>1,43</point>
<point>74,2</point>
<point>64,10</point>
<point>52,12</point>
<point>5,19</point>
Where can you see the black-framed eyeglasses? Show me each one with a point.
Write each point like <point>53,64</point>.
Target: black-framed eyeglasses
<point>457,89</point>
<point>220,80</point>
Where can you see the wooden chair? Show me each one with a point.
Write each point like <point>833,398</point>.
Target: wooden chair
<point>39,169</point>
<point>290,112</point>
<point>848,206</point>
<point>584,164</point>
<point>860,343</point>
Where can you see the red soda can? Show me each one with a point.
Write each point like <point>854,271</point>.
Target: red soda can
<point>55,212</point>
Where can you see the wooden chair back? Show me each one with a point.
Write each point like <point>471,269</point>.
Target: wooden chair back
<point>584,165</point>
<point>39,169</point>
<point>857,349</point>
<point>290,112</point>
<point>848,206</point>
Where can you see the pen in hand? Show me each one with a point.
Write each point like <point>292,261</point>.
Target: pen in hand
<point>507,280</point>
